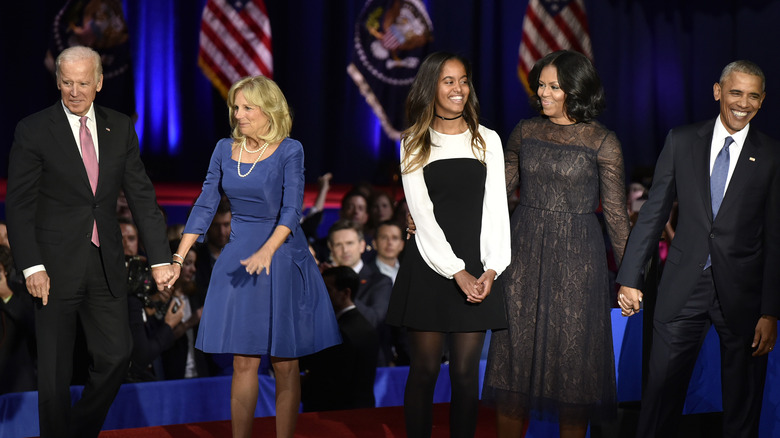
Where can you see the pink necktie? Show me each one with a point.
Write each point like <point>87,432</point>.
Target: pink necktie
<point>91,163</point>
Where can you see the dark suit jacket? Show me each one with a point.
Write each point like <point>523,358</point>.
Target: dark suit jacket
<point>17,343</point>
<point>373,295</point>
<point>150,339</point>
<point>50,206</point>
<point>744,239</point>
<point>342,376</point>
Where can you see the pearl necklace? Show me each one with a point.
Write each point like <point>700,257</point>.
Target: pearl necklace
<point>243,147</point>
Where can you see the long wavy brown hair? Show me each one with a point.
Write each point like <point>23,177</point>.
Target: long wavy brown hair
<point>420,111</point>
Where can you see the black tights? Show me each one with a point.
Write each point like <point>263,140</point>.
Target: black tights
<point>425,354</point>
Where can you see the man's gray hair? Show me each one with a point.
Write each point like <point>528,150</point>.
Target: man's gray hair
<point>77,53</point>
<point>743,66</point>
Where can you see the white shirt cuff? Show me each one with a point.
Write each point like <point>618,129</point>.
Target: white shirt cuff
<point>32,270</point>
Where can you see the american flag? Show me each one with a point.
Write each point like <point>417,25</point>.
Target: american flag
<point>235,41</point>
<point>551,25</point>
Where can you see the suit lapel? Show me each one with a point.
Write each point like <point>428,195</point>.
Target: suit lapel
<point>701,165</point>
<point>62,132</point>
<point>104,139</point>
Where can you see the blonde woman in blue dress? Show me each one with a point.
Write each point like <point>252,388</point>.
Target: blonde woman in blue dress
<point>266,294</point>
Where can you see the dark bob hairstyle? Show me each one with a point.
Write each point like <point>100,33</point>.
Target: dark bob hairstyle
<point>577,78</point>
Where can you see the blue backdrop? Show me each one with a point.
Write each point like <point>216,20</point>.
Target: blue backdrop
<point>658,60</point>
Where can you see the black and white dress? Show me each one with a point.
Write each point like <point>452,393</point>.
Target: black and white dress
<point>460,210</point>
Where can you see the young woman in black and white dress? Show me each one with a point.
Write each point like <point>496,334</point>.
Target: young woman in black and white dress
<point>453,178</point>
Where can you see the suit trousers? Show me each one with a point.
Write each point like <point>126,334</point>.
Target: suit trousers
<point>676,346</point>
<point>107,331</point>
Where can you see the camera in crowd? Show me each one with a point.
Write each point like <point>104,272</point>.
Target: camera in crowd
<point>141,285</point>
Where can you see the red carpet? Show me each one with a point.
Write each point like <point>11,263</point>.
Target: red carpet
<point>360,423</point>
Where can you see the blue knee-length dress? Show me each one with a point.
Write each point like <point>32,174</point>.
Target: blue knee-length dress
<point>286,313</point>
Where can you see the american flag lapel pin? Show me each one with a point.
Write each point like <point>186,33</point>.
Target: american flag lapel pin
<point>108,129</point>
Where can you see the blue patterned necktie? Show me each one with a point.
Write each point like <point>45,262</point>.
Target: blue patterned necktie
<point>720,172</point>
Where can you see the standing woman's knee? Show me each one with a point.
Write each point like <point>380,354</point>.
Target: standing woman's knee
<point>245,364</point>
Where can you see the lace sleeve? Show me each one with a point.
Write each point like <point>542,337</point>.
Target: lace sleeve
<point>512,159</point>
<point>613,193</point>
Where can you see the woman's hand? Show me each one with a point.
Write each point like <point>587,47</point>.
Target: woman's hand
<point>410,228</point>
<point>486,282</point>
<point>176,265</point>
<point>468,284</point>
<point>259,261</point>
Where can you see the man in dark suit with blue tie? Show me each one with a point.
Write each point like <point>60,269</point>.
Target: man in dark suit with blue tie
<point>66,168</point>
<point>723,267</point>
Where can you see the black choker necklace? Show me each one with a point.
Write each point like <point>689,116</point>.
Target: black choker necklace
<point>451,118</point>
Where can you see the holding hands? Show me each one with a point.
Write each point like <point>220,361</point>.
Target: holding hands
<point>166,275</point>
<point>629,300</point>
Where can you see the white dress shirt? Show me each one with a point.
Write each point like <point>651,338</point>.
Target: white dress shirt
<point>719,135</point>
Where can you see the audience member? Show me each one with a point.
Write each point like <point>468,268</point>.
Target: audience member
<point>354,207</point>
<point>366,188</point>
<point>311,221</point>
<point>342,377</point>
<point>636,195</point>
<point>389,242</point>
<point>17,331</point>
<point>346,243</point>
<point>401,212</point>
<point>4,234</point>
<point>174,232</point>
<point>129,236</point>
<point>122,208</point>
<point>381,209</point>
<point>217,236</point>
<point>182,360</point>
<point>153,317</point>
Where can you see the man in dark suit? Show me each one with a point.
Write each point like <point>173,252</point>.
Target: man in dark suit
<point>66,168</point>
<point>17,330</point>
<point>346,243</point>
<point>342,377</point>
<point>723,264</point>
